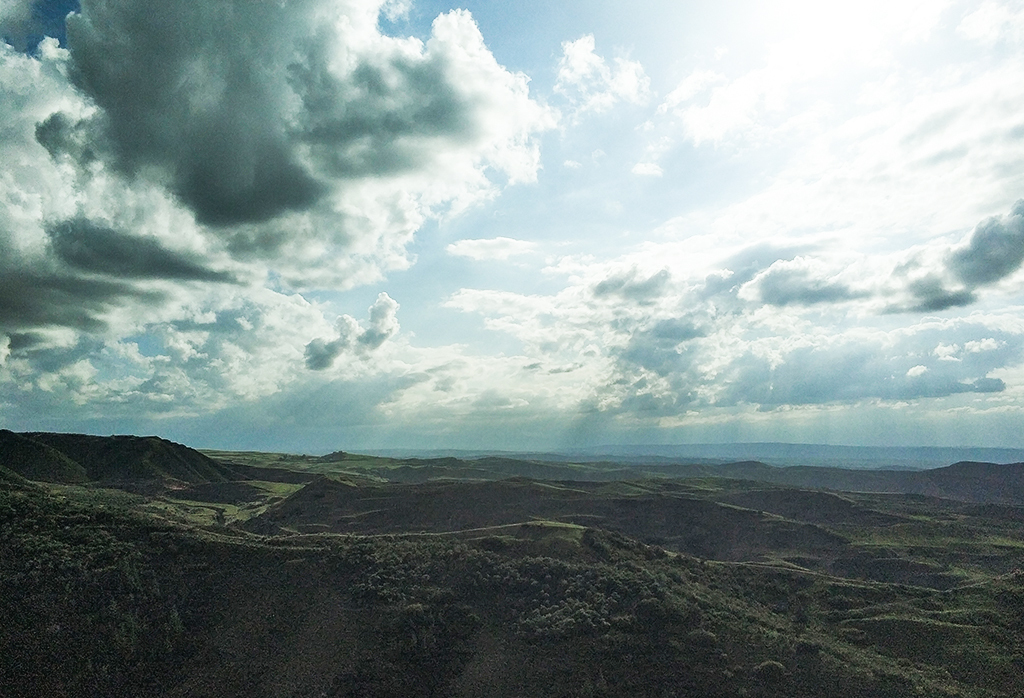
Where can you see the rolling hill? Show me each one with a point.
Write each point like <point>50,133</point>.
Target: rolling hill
<point>128,462</point>
<point>278,576</point>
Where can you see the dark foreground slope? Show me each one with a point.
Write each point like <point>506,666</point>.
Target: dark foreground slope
<point>99,599</point>
<point>78,458</point>
<point>37,460</point>
<point>129,462</point>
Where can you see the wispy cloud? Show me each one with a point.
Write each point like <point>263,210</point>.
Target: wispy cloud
<point>490,248</point>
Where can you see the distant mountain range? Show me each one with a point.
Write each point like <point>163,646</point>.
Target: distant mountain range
<point>965,481</point>
<point>778,454</point>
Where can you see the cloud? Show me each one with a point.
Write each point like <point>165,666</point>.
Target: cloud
<point>37,290</point>
<point>395,10</point>
<point>492,248</point>
<point>813,48</point>
<point>858,366</point>
<point>96,249</point>
<point>78,253</point>
<point>659,347</point>
<point>383,324</point>
<point>798,281</point>
<point>929,294</point>
<point>24,23</point>
<point>647,169</point>
<point>851,137</point>
<point>304,138</point>
<point>168,186</point>
<point>692,85</point>
<point>277,114</point>
<point>171,189</point>
<point>994,250</point>
<point>927,278</point>
<point>742,363</point>
<point>16,22</point>
<point>31,301</point>
<point>208,110</point>
<point>993,21</point>
<point>771,327</point>
<point>626,285</point>
<point>222,347</point>
<point>591,85</point>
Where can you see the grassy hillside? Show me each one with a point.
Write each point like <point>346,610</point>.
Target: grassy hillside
<point>129,462</point>
<point>38,461</point>
<point>134,458</point>
<point>276,575</point>
<point>904,539</point>
<point>972,482</point>
<point>102,600</point>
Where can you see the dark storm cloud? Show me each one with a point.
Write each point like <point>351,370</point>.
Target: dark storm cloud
<point>51,359</point>
<point>242,108</point>
<point>91,270</point>
<point>180,92</point>
<point>33,299</point>
<point>931,295</point>
<point>994,251</point>
<point>24,23</point>
<point>97,249</point>
<point>362,126</point>
<point>63,137</point>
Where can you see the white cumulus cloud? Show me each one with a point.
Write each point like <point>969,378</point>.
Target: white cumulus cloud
<point>181,173</point>
<point>592,85</point>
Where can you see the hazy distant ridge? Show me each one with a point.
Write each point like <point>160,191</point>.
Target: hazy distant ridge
<point>779,454</point>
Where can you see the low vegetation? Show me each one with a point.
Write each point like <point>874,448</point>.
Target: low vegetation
<point>330,581</point>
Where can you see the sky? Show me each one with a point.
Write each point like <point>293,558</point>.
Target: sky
<point>312,225</point>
